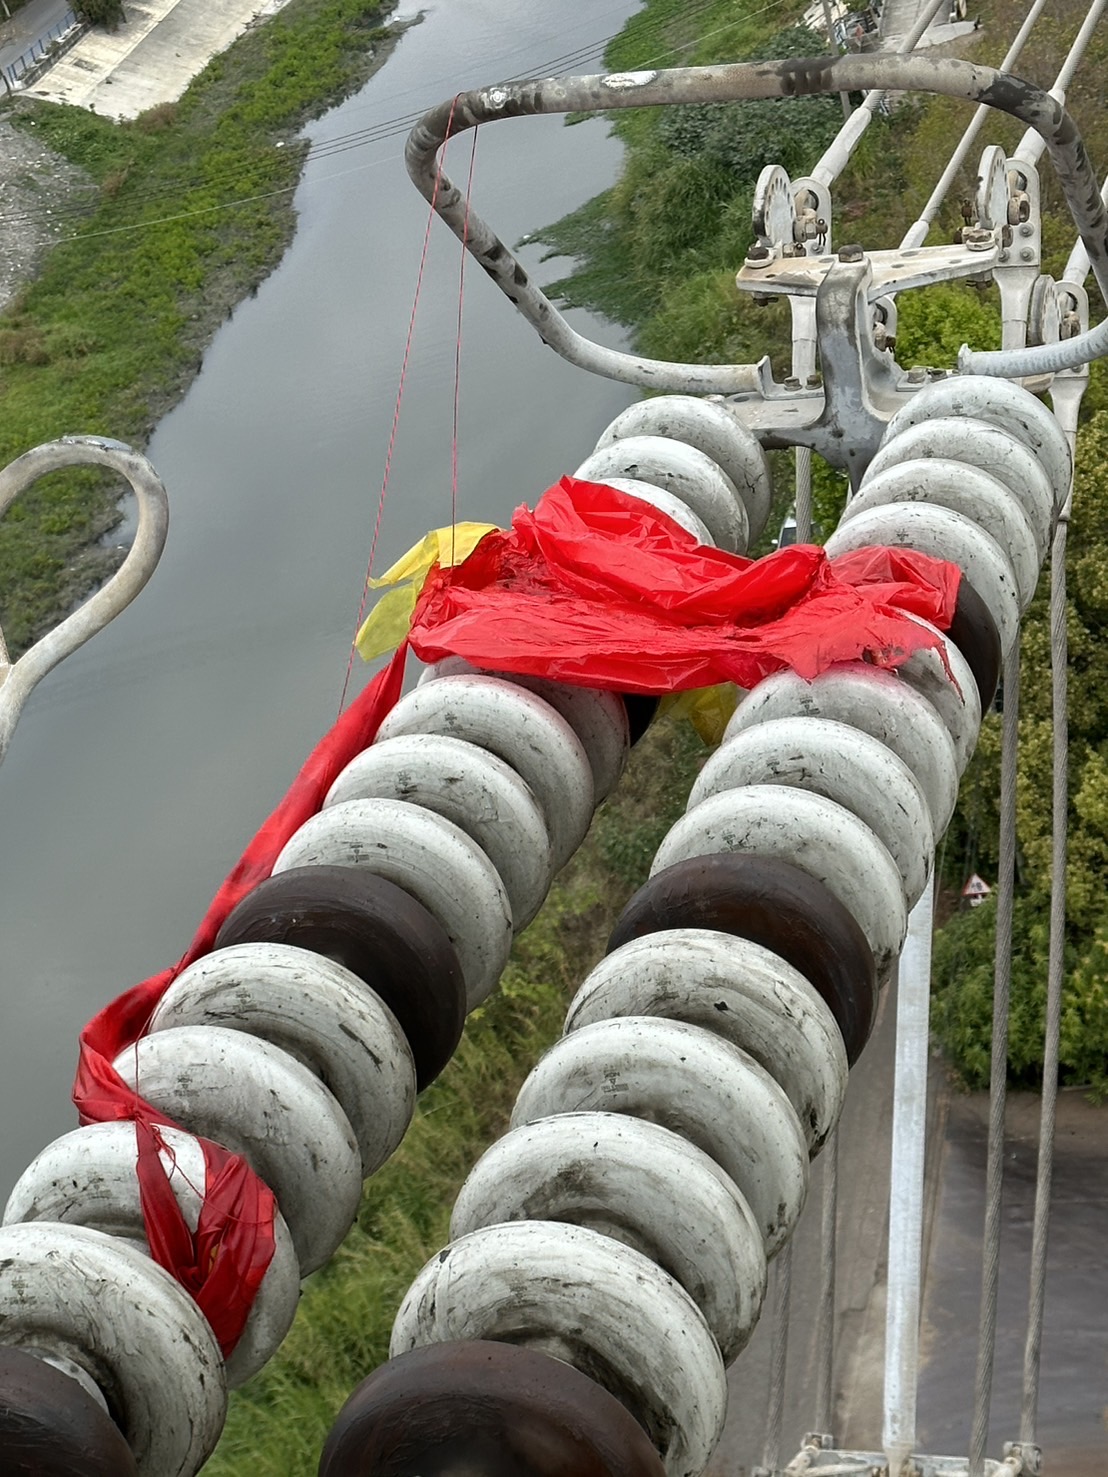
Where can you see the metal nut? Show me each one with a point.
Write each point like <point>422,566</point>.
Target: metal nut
<point>851,254</point>
<point>977,239</point>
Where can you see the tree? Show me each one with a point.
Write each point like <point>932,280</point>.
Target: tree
<point>108,13</point>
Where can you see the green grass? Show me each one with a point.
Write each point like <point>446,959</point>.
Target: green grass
<point>191,209</point>
<point>279,1422</point>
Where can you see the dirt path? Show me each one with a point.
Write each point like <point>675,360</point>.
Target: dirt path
<point>38,190</point>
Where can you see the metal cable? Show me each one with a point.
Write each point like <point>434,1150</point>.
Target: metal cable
<point>779,1354</point>
<point>998,1072</point>
<point>825,1317</point>
<point>1059,656</point>
<point>803,494</point>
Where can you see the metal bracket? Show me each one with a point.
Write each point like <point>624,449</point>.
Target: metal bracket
<point>893,271</point>
<point>862,387</point>
<point>818,1461</point>
<point>18,679</point>
<point>1008,205</point>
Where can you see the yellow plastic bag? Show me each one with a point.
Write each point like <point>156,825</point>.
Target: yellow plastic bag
<point>708,709</point>
<point>387,623</point>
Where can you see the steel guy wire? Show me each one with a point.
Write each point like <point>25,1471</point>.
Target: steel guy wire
<point>998,1075</point>
<point>1059,655</point>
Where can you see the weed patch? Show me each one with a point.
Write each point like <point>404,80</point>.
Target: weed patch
<point>193,210</point>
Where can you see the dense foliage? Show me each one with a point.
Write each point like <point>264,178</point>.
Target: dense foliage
<point>99,12</point>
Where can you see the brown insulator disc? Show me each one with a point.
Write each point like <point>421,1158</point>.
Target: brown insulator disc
<point>777,905</point>
<point>377,931</point>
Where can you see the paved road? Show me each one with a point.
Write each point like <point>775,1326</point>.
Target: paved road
<point>1073,1406</point>
<point>1073,1424</point>
<point>27,25</point>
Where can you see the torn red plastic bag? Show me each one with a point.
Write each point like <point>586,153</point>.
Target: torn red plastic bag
<point>595,587</point>
<point>223,1262</point>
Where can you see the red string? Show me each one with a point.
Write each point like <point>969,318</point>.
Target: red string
<point>458,350</point>
<point>396,408</point>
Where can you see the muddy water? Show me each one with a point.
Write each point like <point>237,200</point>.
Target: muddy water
<point>144,764</point>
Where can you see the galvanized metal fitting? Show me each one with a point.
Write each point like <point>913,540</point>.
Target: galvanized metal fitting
<point>978,239</point>
<point>851,253</point>
<point>1029,1456</point>
<point>759,255</point>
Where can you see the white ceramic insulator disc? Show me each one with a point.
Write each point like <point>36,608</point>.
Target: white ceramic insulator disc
<point>320,1013</point>
<point>517,727</point>
<point>950,688</point>
<point>473,789</point>
<point>841,763</point>
<point>259,1102</point>
<point>665,502</point>
<point>73,1292</point>
<point>943,535</point>
<point>977,495</point>
<point>713,428</point>
<point>739,991</point>
<point>601,1307</point>
<point>690,475</point>
<point>818,835</point>
<point>598,718</point>
<point>1011,407</point>
<point>876,702</point>
<point>978,444</point>
<point>694,1083</point>
<point>641,1184</point>
<point>88,1178</point>
<point>429,857</point>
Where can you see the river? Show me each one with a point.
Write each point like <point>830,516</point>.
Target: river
<point>143,765</point>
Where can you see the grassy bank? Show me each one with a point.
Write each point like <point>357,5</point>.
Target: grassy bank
<point>193,209</point>
<point>278,1424</point>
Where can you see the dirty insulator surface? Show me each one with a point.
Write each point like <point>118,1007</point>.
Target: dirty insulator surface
<point>974,632</point>
<point>480,1406</point>
<point>376,930</point>
<point>51,1427</point>
<point>777,905</point>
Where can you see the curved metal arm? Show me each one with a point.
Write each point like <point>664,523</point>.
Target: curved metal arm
<point>793,78</point>
<point>17,680</point>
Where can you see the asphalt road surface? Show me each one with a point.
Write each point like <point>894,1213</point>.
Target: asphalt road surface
<point>1073,1408</point>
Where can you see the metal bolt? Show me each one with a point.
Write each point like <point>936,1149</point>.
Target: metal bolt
<point>1026,230</point>
<point>792,382</point>
<point>917,374</point>
<point>1026,254</point>
<point>851,254</point>
<point>814,381</point>
<point>759,255</point>
<point>1005,256</point>
<point>977,239</point>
